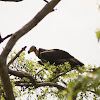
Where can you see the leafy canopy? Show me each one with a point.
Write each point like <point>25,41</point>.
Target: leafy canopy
<point>79,83</point>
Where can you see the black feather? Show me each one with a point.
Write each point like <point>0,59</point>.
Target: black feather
<point>58,57</point>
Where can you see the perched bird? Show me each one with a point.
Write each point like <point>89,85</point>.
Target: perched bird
<point>55,56</point>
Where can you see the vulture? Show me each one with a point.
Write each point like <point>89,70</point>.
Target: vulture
<point>55,56</point>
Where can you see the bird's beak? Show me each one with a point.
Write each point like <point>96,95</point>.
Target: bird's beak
<point>28,52</point>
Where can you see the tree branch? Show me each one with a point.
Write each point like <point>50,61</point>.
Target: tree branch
<point>32,80</point>
<point>2,39</point>
<point>5,80</point>
<point>12,0</point>
<point>46,1</point>
<point>23,74</point>
<point>17,55</point>
<point>64,82</point>
<point>42,84</point>
<point>38,73</point>
<point>51,84</point>
<point>60,75</point>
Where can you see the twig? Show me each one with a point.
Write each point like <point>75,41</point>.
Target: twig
<point>64,82</point>
<point>2,39</point>
<point>60,75</point>
<point>95,69</point>
<point>38,73</point>
<point>63,73</point>
<point>17,55</point>
<point>46,1</point>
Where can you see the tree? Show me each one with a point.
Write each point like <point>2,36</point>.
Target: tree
<point>31,76</point>
<point>77,85</point>
<point>3,57</point>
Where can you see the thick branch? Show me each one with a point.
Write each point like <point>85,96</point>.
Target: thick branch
<point>42,84</point>
<point>36,85</point>
<point>17,55</point>
<point>51,84</point>
<point>5,80</point>
<point>23,74</point>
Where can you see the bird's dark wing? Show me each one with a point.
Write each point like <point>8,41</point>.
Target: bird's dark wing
<point>60,61</point>
<point>54,55</point>
<point>59,57</point>
<point>74,62</point>
<point>40,51</point>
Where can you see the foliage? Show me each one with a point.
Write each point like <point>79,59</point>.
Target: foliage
<point>98,34</point>
<point>80,83</point>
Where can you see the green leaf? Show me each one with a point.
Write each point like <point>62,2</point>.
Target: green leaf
<point>98,34</point>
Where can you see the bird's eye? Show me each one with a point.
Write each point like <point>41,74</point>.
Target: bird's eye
<point>28,52</point>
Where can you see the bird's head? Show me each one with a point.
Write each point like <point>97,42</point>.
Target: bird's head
<point>32,48</point>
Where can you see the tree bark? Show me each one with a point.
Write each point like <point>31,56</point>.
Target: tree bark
<point>5,80</point>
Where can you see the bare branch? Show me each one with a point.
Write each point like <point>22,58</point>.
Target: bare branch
<point>46,1</point>
<point>64,82</point>
<point>11,0</point>
<point>7,37</point>
<point>2,39</point>
<point>17,55</point>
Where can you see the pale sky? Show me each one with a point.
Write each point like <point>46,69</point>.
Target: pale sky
<point>71,27</point>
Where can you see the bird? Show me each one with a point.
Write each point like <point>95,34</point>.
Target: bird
<point>54,56</point>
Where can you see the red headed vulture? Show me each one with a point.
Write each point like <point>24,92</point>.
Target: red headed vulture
<point>55,56</point>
